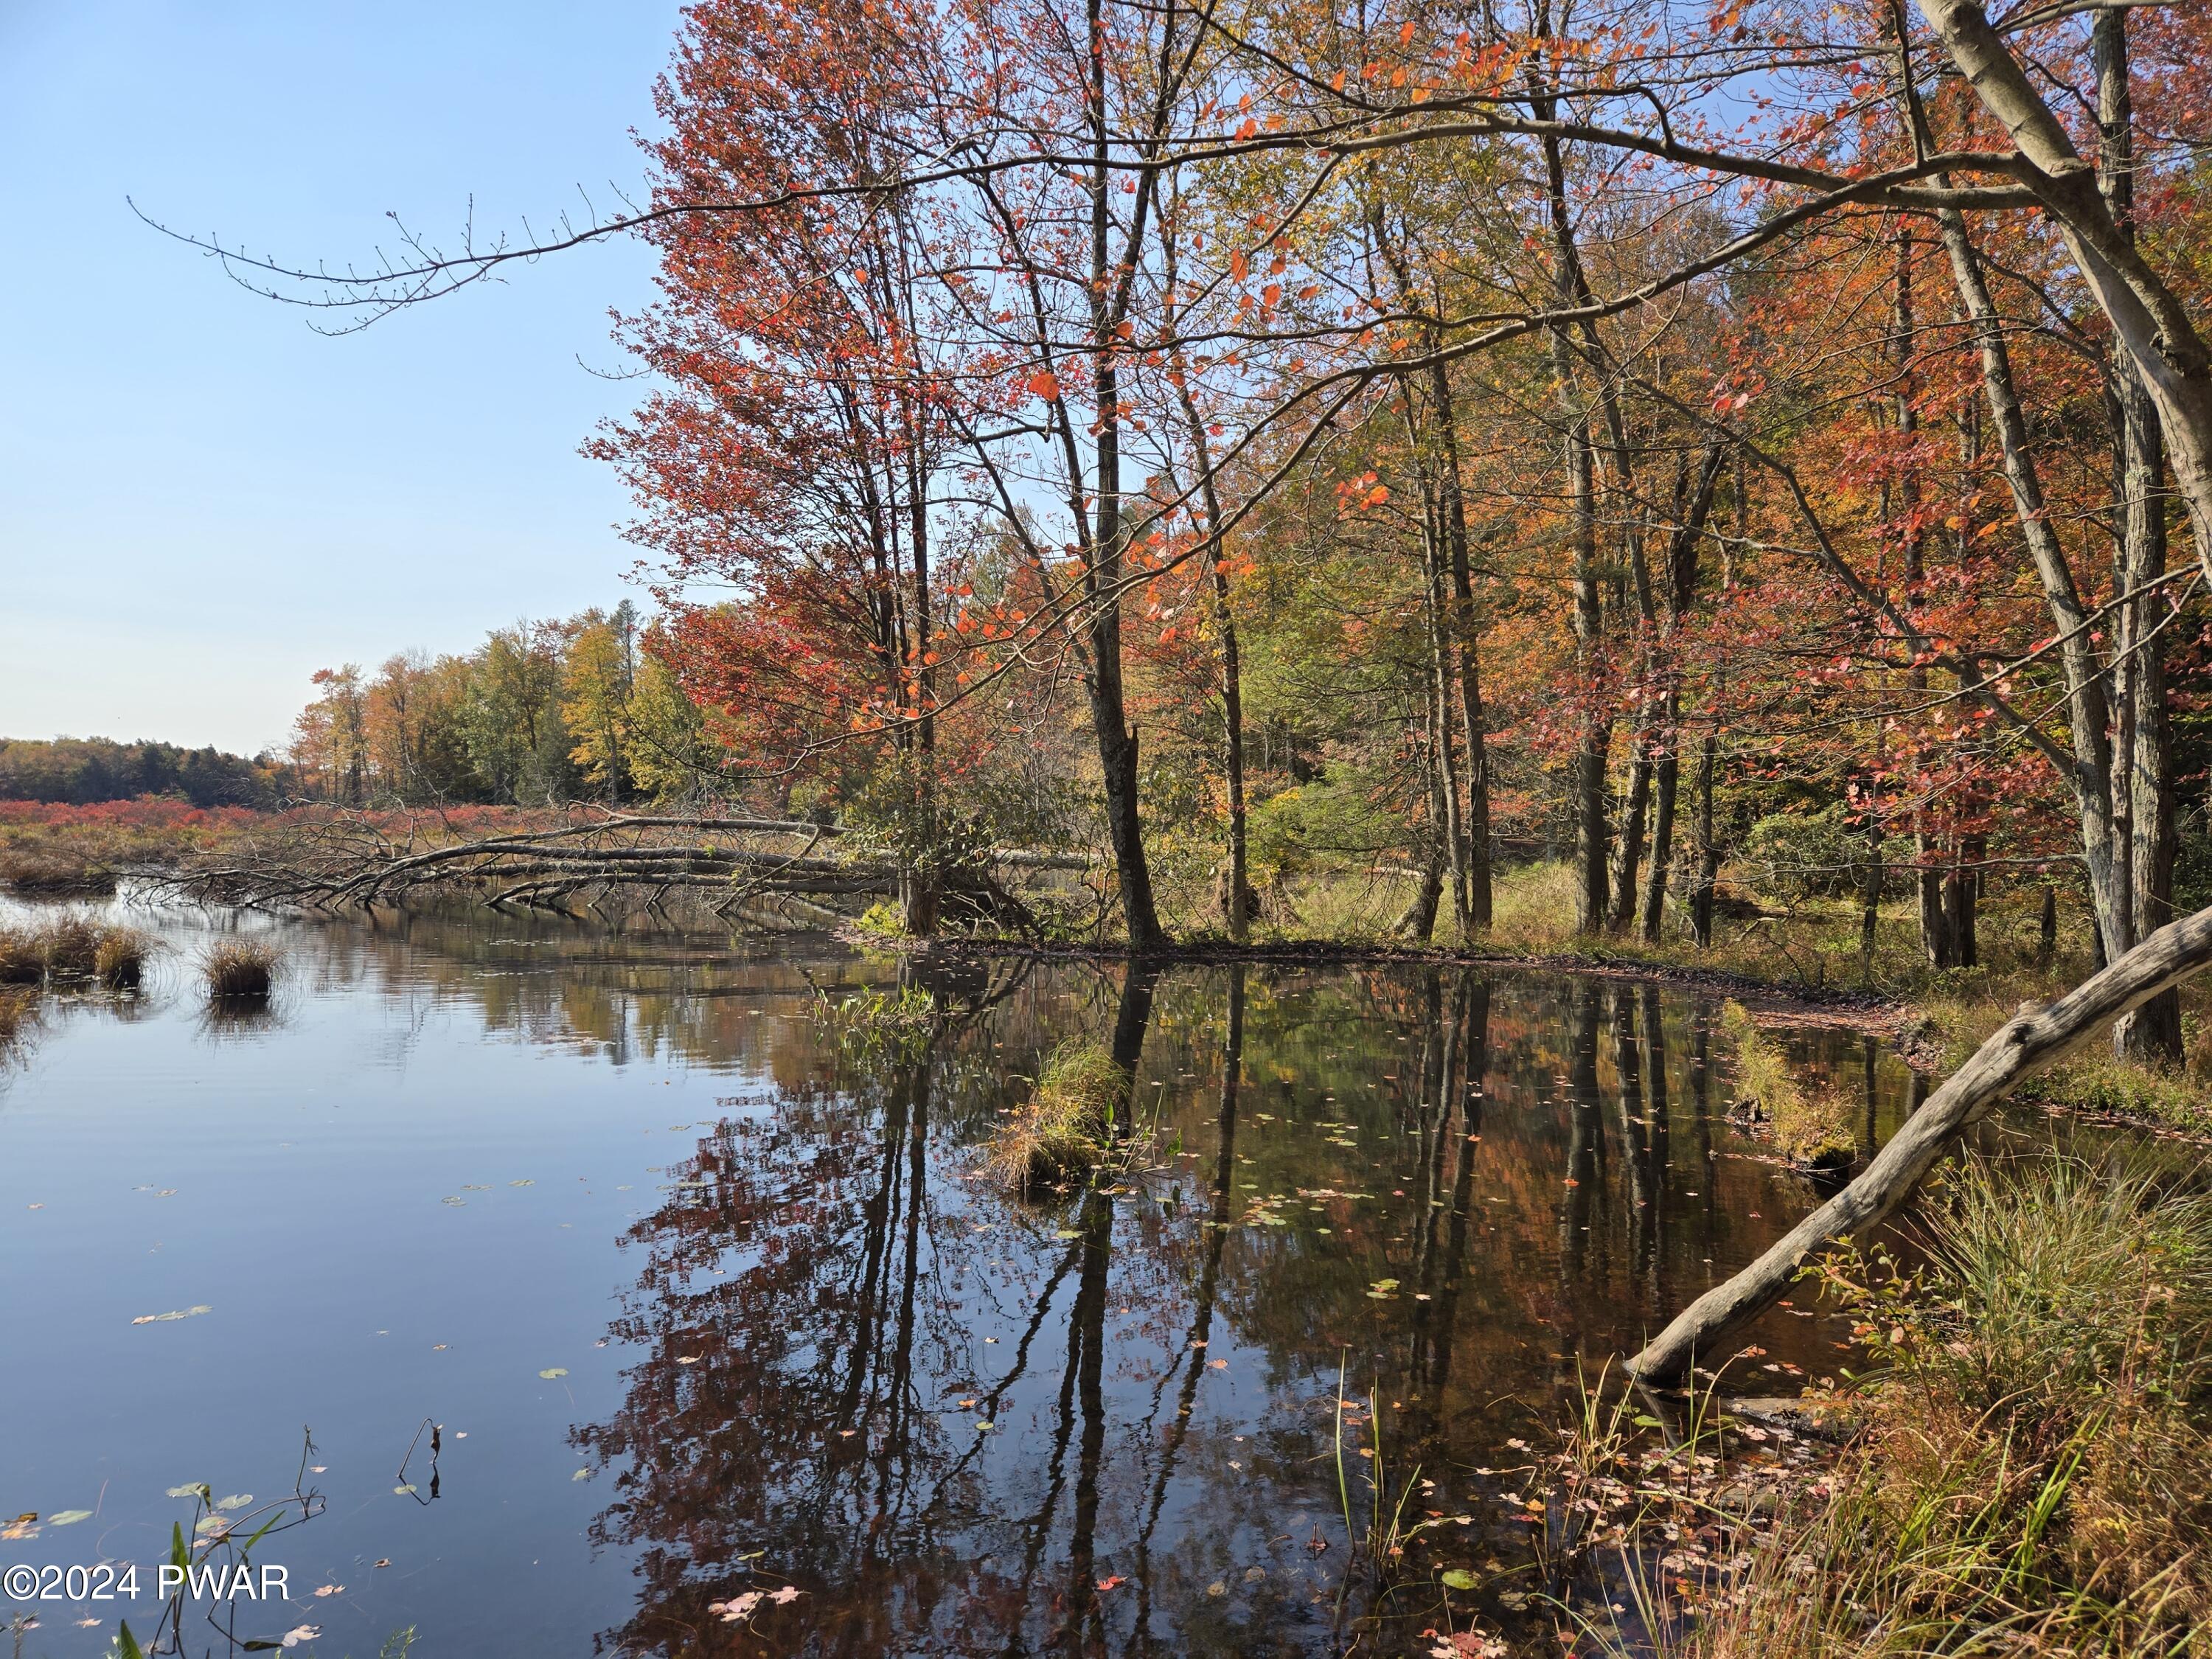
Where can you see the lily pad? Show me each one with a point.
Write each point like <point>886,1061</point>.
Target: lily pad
<point>67,1518</point>
<point>553,1371</point>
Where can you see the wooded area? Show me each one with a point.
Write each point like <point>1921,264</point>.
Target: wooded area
<point>1659,436</point>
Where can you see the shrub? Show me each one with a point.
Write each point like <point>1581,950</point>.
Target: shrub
<point>1068,1123</point>
<point>54,871</point>
<point>239,968</point>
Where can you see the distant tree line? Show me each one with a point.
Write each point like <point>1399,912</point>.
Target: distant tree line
<point>574,709</point>
<point>81,770</point>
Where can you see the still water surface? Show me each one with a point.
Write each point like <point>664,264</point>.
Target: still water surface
<point>704,1305</point>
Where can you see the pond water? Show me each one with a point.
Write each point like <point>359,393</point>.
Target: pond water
<point>701,1304</point>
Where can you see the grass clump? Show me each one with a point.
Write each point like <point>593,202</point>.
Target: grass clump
<point>19,1009</point>
<point>1068,1123</point>
<point>239,968</point>
<point>119,958</point>
<point>70,947</point>
<point>1811,1127</point>
<point>22,963</point>
<point>2034,1470</point>
<point>74,948</point>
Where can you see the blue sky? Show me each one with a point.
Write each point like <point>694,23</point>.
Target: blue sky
<point>202,501</point>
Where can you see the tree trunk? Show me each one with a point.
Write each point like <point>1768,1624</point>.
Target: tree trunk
<point>2142,781</point>
<point>1232,685</point>
<point>1442,692</point>
<point>2031,1039</point>
<point>1708,853</point>
<point>1467,631</point>
<point>1593,754</point>
<point>2171,362</point>
<point>2088,712</point>
<point>1666,780</point>
<point>1635,811</point>
<point>1870,883</point>
<point>1116,739</point>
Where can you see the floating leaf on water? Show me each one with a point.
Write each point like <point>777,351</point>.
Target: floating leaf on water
<point>237,1500</point>
<point>180,1313</point>
<point>553,1372</point>
<point>522,1183</point>
<point>407,1491</point>
<point>457,1203</point>
<point>1068,1232</point>
<point>581,1475</point>
<point>1459,1578</point>
<point>67,1518</point>
<point>196,1489</point>
<point>301,1633</point>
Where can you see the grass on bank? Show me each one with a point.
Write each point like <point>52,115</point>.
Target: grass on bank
<point>2032,1467</point>
<point>1813,1124</point>
<point>1067,1125</point>
<point>1797,944</point>
<point>239,969</point>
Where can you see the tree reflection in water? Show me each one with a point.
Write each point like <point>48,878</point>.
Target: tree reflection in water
<point>957,1422</point>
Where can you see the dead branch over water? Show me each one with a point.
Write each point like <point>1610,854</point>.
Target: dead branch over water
<point>356,860</point>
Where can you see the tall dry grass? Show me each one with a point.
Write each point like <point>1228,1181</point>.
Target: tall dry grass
<point>1067,1124</point>
<point>2034,1471</point>
<point>239,969</point>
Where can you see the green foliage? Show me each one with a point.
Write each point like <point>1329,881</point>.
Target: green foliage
<point>543,711</point>
<point>875,1026</point>
<point>1815,854</point>
<point>81,770</point>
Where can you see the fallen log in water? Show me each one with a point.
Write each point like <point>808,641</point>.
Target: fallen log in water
<point>350,861</point>
<point>2034,1038</point>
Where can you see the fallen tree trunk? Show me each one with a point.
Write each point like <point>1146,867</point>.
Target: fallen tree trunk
<point>2031,1039</point>
<point>357,860</point>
